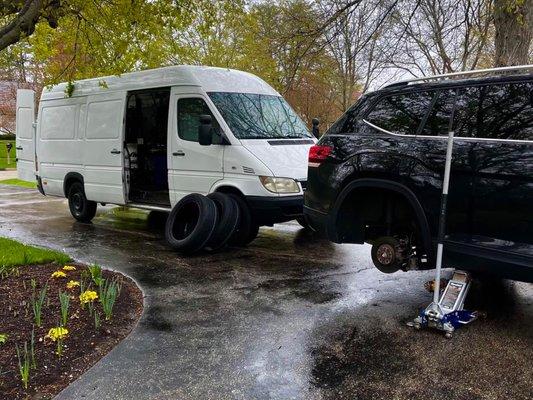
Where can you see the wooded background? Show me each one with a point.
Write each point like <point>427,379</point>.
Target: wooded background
<point>321,55</point>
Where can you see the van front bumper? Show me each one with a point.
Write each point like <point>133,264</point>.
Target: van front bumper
<point>272,210</point>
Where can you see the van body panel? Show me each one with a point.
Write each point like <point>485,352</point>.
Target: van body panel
<point>60,147</point>
<point>192,168</point>
<point>239,161</point>
<point>25,140</point>
<point>247,184</point>
<point>284,160</point>
<point>102,156</point>
<point>209,78</point>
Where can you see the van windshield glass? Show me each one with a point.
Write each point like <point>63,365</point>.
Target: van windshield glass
<point>259,116</point>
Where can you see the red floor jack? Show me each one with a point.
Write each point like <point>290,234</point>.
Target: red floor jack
<point>447,313</point>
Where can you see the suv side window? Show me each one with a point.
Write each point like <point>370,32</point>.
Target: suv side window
<point>189,111</point>
<point>499,111</point>
<point>438,121</point>
<point>401,113</point>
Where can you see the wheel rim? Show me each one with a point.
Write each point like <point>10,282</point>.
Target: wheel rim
<point>385,254</point>
<point>77,202</point>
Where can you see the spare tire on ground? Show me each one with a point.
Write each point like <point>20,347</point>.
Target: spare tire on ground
<point>228,221</point>
<point>247,229</point>
<point>191,223</point>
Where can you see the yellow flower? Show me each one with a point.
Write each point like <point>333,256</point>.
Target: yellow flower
<point>57,333</point>
<point>88,296</point>
<point>69,268</point>
<point>59,274</point>
<point>72,284</point>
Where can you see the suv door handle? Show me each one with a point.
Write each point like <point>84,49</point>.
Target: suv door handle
<point>115,151</point>
<point>19,148</point>
<point>178,153</point>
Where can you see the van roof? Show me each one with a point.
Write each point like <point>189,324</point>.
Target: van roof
<point>211,79</point>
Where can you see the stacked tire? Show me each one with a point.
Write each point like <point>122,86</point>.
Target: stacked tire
<point>210,223</point>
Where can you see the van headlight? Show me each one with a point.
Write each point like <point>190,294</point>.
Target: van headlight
<point>279,185</point>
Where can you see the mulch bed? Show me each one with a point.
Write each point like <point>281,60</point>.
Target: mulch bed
<point>83,347</point>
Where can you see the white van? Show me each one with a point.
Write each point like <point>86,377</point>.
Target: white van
<point>134,140</point>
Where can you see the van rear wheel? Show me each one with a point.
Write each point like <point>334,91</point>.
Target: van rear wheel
<point>191,223</point>
<point>81,209</point>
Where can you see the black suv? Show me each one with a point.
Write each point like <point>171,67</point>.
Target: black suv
<point>376,175</point>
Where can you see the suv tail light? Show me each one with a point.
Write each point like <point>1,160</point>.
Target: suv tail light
<point>317,154</point>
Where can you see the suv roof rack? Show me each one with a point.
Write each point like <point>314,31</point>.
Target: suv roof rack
<point>466,74</point>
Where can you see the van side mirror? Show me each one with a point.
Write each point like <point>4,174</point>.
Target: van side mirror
<point>316,131</point>
<point>205,130</point>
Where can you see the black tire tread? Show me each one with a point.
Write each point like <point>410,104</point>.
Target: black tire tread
<point>89,207</point>
<point>203,230</point>
<point>229,218</point>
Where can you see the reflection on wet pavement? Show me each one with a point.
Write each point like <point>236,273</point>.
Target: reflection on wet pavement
<point>291,316</point>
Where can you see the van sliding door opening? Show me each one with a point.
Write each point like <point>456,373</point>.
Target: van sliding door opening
<point>145,147</point>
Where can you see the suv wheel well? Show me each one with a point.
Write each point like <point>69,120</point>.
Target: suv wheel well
<point>368,213</point>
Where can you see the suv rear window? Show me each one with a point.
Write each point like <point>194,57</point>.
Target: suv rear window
<point>401,113</point>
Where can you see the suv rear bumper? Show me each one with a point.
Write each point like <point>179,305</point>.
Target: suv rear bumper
<point>272,210</point>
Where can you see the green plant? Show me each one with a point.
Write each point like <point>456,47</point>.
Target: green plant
<point>64,301</point>
<point>37,304</point>
<point>83,287</point>
<point>59,348</point>
<point>69,89</point>
<point>108,295</point>
<point>24,364</point>
<point>3,338</point>
<point>96,320</point>
<point>32,349</point>
<point>96,274</point>
<point>6,271</point>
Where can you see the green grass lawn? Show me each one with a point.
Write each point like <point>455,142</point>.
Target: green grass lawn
<point>18,182</point>
<point>3,155</point>
<point>13,254</point>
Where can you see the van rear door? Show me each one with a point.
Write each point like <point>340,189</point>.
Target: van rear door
<point>25,142</point>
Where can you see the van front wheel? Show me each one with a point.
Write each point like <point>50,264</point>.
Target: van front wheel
<point>81,209</point>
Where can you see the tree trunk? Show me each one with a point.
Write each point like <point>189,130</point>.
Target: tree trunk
<point>513,21</point>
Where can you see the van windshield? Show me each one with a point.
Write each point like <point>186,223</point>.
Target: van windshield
<point>259,116</point>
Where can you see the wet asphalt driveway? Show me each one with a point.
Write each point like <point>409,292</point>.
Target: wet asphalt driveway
<point>290,317</point>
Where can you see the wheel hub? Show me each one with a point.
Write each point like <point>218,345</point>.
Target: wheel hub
<point>385,254</point>
<point>77,202</point>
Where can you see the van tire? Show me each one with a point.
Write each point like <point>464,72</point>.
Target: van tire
<point>247,229</point>
<point>191,223</point>
<point>81,209</point>
<point>228,221</point>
